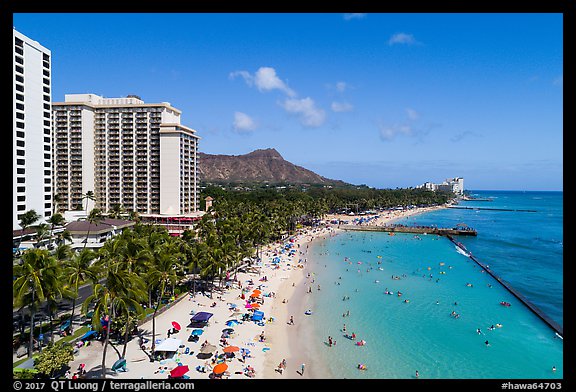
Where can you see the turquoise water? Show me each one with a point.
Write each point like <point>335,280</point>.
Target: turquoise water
<point>421,334</point>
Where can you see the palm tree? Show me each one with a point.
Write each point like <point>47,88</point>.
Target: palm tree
<point>42,232</point>
<point>63,236</point>
<point>121,291</point>
<point>163,271</point>
<point>57,200</point>
<point>94,217</point>
<point>26,220</point>
<point>89,195</point>
<point>116,211</point>
<point>37,271</point>
<point>79,269</point>
<point>55,220</point>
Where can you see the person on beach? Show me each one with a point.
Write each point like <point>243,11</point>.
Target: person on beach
<point>302,369</point>
<point>417,374</point>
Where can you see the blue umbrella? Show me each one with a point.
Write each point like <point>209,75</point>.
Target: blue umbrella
<point>201,316</point>
<point>232,323</point>
<point>197,332</point>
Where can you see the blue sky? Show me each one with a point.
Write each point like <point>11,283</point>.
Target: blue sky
<point>383,99</point>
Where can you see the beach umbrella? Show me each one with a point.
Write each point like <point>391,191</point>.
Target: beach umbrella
<point>176,326</point>
<point>201,316</point>
<point>232,306</point>
<point>228,330</point>
<point>232,323</point>
<point>231,349</point>
<point>254,306</point>
<point>220,368</point>
<point>179,371</point>
<point>248,306</point>
<point>119,364</point>
<point>253,295</point>
<point>256,291</point>
<point>197,332</point>
<point>208,349</point>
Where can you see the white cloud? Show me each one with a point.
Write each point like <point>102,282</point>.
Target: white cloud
<point>402,38</point>
<point>412,114</point>
<point>341,107</point>
<point>559,81</point>
<point>389,133</point>
<point>244,74</point>
<point>305,108</point>
<point>341,86</point>
<point>243,123</point>
<point>350,16</point>
<point>265,79</point>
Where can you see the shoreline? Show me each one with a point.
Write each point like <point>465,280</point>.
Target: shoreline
<point>296,335</point>
<point>285,281</point>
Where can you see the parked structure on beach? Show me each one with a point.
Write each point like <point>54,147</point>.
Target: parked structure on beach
<point>455,185</point>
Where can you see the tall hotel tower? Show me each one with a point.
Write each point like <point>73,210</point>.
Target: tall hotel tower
<point>126,152</point>
<point>32,124</point>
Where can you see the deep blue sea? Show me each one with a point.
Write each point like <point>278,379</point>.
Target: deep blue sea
<point>418,330</point>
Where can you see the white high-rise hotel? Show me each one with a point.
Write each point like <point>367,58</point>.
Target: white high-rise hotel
<point>126,152</point>
<point>455,185</point>
<point>31,142</point>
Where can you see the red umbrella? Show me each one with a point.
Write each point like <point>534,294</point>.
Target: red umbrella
<point>179,371</point>
<point>176,325</point>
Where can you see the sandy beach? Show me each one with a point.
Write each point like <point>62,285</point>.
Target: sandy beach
<point>282,279</point>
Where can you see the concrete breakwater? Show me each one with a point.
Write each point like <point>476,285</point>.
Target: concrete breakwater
<point>412,229</point>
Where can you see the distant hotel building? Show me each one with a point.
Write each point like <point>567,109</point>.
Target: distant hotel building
<point>32,127</point>
<point>127,152</point>
<point>455,185</point>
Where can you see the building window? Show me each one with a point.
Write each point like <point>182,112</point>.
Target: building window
<point>19,79</point>
<point>19,134</point>
<point>21,180</point>
<point>20,124</point>
<point>20,143</point>
<point>21,207</point>
<point>20,88</point>
<point>21,198</point>
<point>47,98</point>
<point>20,106</point>
<point>20,153</point>
<point>20,162</point>
<point>21,189</point>
<point>19,60</point>
<point>19,69</point>
<point>46,73</point>
<point>20,115</point>
<point>19,97</point>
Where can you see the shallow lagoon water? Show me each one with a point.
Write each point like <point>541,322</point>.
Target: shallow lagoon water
<point>421,334</point>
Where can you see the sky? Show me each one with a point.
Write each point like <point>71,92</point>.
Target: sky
<point>389,100</point>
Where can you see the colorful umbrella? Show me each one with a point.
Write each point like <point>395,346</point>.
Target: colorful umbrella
<point>179,371</point>
<point>254,306</point>
<point>230,349</point>
<point>232,323</point>
<point>176,326</point>
<point>197,332</point>
<point>220,368</point>
<point>256,291</point>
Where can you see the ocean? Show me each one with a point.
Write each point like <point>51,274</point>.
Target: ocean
<point>448,321</point>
